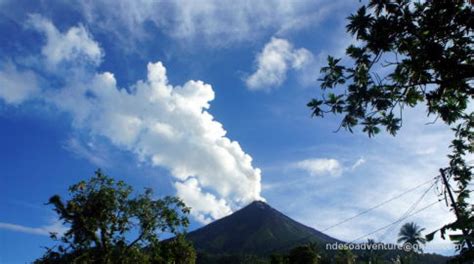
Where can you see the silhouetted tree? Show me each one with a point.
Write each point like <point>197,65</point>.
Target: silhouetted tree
<point>177,251</point>
<point>102,218</point>
<point>370,255</point>
<point>278,259</point>
<point>303,255</point>
<point>411,233</point>
<point>345,256</point>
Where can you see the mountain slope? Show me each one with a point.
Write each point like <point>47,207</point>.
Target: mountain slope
<point>254,229</point>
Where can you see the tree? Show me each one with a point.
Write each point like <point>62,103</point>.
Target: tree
<point>411,233</point>
<point>425,49</point>
<point>345,256</point>
<point>107,225</point>
<point>371,255</point>
<point>178,251</point>
<point>278,259</point>
<point>303,255</point>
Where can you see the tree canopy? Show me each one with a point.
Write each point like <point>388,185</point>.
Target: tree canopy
<point>411,233</point>
<point>303,255</point>
<point>107,225</point>
<point>406,54</point>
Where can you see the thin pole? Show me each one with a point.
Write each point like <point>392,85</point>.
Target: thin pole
<point>456,209</point>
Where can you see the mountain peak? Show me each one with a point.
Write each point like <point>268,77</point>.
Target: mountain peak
<point>259,204</point>
<point>257,228</point>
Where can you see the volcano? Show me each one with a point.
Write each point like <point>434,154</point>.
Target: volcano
<point>255,229</point>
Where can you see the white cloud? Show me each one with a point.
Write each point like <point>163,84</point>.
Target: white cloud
<point>16,85</point>
<point>393,165</point>
<point>316,167</point>
<point>75,45</point>
<point>358,163</point>
<point>206,206</point>
<point>55,227</point>
<point>168,126</point>
<point>276,58</point>
<point>164,125</point>
<point>211,22</point>
<point>87,151</point>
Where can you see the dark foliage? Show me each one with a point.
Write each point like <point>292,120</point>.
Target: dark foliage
<point>102,218</point>
<point>406,54</point>
<point>303,255</point>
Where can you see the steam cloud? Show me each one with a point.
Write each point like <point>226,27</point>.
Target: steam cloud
<point>168,126</point>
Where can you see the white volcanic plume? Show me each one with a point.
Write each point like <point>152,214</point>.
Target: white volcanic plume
<point>168,126</point>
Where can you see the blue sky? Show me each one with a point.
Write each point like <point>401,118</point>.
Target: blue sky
<point>205,100</point>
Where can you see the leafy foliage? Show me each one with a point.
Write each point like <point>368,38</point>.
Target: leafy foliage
<point>411,233</point>
<point>102,217</point>
<point>178,251</point>
<point>345,256</point>
<point>303,255</point>
<point>406,54</point>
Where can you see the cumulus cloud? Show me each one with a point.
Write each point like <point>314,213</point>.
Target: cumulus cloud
<point>164,125</point>
<point>276,58</point>
<point>316,167</point>
<point>72,46</point>
<point>168,126</point>
<point>17,85</point>
<point>55,227</point>
<point>206,206</point>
